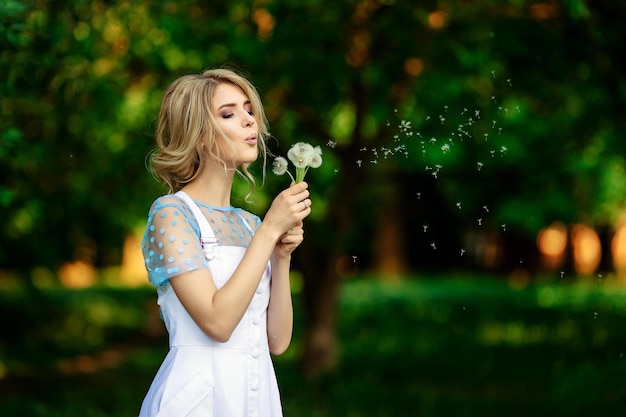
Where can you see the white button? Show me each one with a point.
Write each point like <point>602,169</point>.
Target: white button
<point>254,353</point>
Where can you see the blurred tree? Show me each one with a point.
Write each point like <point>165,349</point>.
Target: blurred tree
<point>427,114</point>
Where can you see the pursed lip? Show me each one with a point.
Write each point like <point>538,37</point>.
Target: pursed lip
<point>251,139</point>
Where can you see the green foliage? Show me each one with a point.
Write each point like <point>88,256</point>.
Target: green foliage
<point>432,347</point>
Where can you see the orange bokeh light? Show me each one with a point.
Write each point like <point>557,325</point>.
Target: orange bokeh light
<point>437,19</point>
<point>587,249</point>
<point>413,66</point>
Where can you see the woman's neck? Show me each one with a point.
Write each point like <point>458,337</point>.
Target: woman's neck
<point>212,186</point>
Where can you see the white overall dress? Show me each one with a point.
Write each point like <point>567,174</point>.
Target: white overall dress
<point>201,377</point>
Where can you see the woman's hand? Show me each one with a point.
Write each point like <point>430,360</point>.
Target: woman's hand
<point>285,215</point>
<point>289,241</point>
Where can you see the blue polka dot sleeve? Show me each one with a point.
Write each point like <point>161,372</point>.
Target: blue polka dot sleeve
<point>171,242</point>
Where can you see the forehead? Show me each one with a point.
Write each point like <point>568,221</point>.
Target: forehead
<point>227,93</point>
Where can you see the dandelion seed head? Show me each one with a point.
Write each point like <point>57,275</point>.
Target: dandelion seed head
<point>280,166</point>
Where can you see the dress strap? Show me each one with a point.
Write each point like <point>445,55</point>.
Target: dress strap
<point>207,237</point>
<point>245,223</point>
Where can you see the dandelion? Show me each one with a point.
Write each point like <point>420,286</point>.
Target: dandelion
<point>300,154</point>
<point>315,161</point>
<point>331,144</point>
<point>303,156</point>
<point>280,167</point>
<point>445,148</point>
<point>479,165</point>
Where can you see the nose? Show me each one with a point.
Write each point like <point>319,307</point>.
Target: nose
<point>248,120</point>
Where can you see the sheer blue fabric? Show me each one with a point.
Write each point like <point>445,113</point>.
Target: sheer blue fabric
<point>171,242</point>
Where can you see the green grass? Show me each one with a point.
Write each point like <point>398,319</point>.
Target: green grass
<point>436,347</point>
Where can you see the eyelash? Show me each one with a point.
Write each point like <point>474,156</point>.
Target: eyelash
<point>229,115</point>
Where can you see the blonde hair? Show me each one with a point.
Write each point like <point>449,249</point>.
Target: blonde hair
<point>185,119</point>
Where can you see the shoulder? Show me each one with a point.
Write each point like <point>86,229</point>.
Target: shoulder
<point>167,202</point>
<point>170,208</point>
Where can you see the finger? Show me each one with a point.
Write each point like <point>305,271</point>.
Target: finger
<point>303,205</point>
<point>299,186</point>
<point>292,240</point>
<point>294,231</point>
<point>298,190</point>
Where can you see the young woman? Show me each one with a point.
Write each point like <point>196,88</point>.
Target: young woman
<point>222,275</point>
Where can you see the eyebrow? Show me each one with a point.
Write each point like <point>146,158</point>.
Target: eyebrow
<point>232,104</point>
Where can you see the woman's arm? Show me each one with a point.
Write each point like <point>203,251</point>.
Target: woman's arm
<point>218,312</point>
<point>280,309</point>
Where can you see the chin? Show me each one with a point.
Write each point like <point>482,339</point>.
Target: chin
<point>249,156</point>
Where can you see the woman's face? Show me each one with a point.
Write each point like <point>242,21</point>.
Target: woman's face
<point>233,112</point>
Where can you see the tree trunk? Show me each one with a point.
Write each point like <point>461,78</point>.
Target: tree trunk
<point>389,249</point>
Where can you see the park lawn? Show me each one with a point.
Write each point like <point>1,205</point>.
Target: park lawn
<point>420,347</point>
